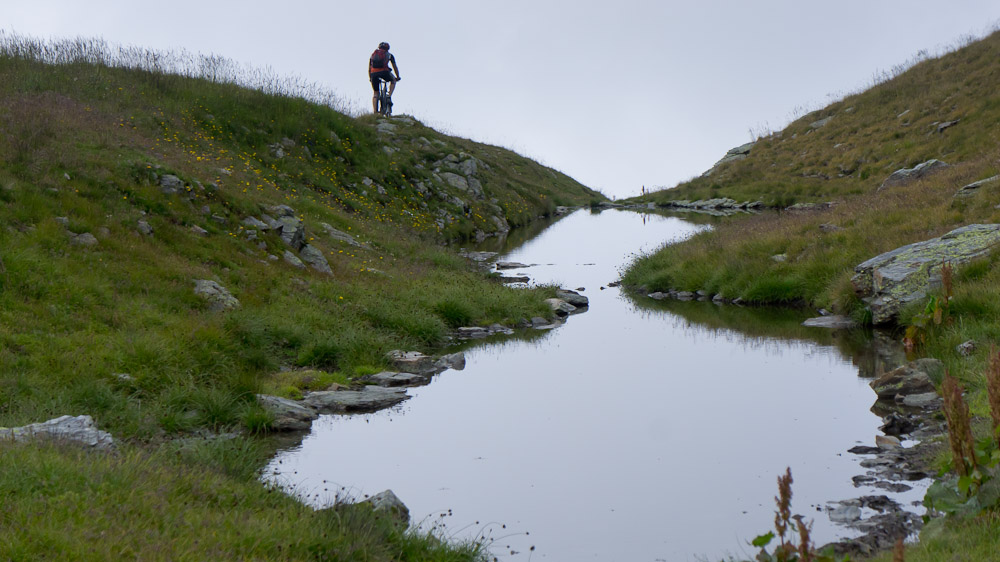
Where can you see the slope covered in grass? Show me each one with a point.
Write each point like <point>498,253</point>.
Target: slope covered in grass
<point>121,185</point>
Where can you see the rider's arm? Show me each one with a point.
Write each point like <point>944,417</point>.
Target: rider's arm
<point>392,61</point>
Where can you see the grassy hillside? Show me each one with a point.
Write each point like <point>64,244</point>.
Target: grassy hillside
<point>121,185</point>
<point>945,108</point>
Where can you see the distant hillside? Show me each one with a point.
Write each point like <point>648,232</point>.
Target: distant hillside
<point>945,108</point>
<point>827,169</point>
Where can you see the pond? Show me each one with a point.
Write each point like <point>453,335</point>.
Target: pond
<point>636,431</point>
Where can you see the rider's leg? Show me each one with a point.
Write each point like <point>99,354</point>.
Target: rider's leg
<point>392,86</point>
<point>375,103</point>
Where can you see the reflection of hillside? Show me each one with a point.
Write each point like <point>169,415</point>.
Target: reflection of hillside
<point>872,351</point>
<point>517,237</point>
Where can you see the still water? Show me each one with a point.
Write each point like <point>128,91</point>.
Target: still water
<point>635,432</point>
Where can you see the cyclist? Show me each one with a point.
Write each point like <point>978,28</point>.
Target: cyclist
<point>378,70</point>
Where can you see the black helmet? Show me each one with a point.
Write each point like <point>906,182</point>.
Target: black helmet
<point>383,45</point>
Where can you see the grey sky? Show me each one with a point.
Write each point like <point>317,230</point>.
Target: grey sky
<point>616,94</point>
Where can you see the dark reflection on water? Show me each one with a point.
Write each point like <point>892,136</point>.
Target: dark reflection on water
<point>651,432</point>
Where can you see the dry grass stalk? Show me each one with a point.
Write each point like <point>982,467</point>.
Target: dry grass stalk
<point>993,389</point>
<point>897,551</point>
<point>956,412</point>
<point>805,546</point>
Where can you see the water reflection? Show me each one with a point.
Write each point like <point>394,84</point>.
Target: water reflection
<point>629,433</point>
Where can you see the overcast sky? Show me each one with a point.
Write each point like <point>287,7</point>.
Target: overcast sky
<point>617,94</point>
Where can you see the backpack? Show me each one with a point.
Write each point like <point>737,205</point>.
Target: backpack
<point>380,59</point>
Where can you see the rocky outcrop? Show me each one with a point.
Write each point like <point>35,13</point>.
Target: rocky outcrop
<point>218,297</point>
<point>973,187</point>
<point>721,206</point>
<point>572,297</point>
<point>890,281</point>
<point>906,176</point>
<point>315,258</point>
<point>734,154</point>
<point>79,430</point>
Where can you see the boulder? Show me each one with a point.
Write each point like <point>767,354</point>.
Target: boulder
<point>451,361</point>
<point>339,234</point>
<point>292,232</point>
<point>218,297</point>
<point>170,184</point>
<point>314,257</point>
<point>572,297</point>
<point>412,362</point>
<point>144,228</point>
<point>289,415</point>
<point>253,222</point>
<point>904,176</point>
<point>912,378</point>
<point>387,502</point>
<point>889,281</point>
<point>78,430</point>
<point>502,265</point>
<point>85,239</point>
<point>368,399</point>
<point>293,259</point>
<point>560,307</point>
<point>973,187</point>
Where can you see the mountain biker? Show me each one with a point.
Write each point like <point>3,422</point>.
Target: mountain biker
<point>378,70</point>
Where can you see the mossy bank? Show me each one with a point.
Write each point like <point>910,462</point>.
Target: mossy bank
<point>316,242</point>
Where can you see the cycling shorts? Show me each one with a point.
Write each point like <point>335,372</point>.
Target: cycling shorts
<point>377,78</point>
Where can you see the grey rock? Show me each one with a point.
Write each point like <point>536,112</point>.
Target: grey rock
<point>253,222</point>
<point>929,400</point>
<point>289,415</point>
<point>386,128</point>
<point>887,442</point>
<point>314,257</point>
<point>339,235</point>
<point>967,348</point>
<point>292,259</point>
<point>368,399</point>
<point>891,280</point>
<point>684,296</point>
<point>170,184</point>
<point>218,297</point>
<point>973,187</point>
<point>391,379</point>
<point>387,502</point>
<point>199,230</point>
<point>455,181</point>
<point>293,233</point>
<point>845,514</point>
<point>62,220</point>
<point>78,430</point>
<point>281,211</point>
<point>145,228</point>
<point>85,239</point>
<point>820,123</point>
<point>454,361</point>
<point>219,219</point>
<point>412,362</point>
<point>658,295</point>
<point>947,125</point>
<point>501,265</point>
<point>833,322</point>
<point>912,378</point>
<point>905,176</point>
<point>572,297</point>
<point>560,307</point>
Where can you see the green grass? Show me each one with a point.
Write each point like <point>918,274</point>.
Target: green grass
<point>193,502</point>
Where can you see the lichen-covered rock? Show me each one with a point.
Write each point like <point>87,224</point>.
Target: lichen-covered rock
<point>368,399</point>
<point>911,379</point>
<point>890,281</point>
<point>387,502</point>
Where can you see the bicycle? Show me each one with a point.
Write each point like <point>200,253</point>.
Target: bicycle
<point>384,101</point>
